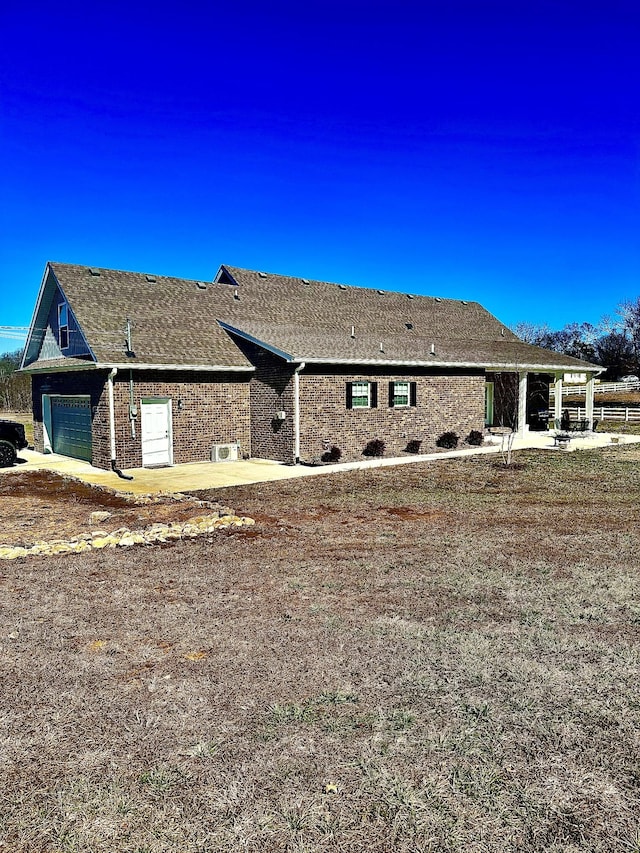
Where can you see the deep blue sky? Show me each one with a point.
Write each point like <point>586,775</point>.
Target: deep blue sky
<point>479,150</point>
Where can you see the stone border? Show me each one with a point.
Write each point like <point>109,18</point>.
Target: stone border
<point>154,534</point>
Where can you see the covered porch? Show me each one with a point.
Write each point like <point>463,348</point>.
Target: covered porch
<point>519,399</point>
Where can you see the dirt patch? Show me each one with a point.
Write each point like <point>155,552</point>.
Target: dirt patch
<point>43,505</point>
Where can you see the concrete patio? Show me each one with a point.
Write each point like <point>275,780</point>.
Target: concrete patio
<point>209,475</point>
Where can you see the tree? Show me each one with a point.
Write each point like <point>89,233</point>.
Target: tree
<point>615,352</point>
<point>15,388</point>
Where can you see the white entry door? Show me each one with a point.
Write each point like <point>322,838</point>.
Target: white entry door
<point>155,429</point>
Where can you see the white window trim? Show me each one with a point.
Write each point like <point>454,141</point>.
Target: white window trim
<point>360,396</point>
<point>407,395</point>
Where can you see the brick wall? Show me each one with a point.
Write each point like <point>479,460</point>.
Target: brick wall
<point>271,390</point>
<point>215,409</point>
<point>447,401</point>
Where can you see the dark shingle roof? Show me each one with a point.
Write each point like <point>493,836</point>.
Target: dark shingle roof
<point>171,318</point>
<point>314,321</point>
<point>177,322</point>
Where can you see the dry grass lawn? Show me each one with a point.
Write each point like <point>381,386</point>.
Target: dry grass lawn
<point>435,657</point>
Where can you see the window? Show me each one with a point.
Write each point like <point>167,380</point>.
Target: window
<point>402,394</point>
<point>362,395</point>
<point>63,325</point>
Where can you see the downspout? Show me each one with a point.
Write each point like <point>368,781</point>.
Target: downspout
<point>296,411</point>
<point>112,426</point>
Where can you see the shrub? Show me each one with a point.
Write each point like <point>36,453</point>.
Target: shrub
<point>375,447</point>
<point>332,455</point>
<point>475,438</point>
<point>413,446</point>
<point>448,440</point>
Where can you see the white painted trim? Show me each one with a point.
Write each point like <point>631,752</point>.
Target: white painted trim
<point>202,368</point>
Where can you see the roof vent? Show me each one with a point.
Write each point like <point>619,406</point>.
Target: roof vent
<point>236,295</point>
<point>342,286</point>
<point>353,331</point>
<point>150,277</point>
<point>381,347</point>
<point>94,271</point>
<point>437,298</point>
<point>262,274</point>
<point>201,285</point>
<point>464,302</point>
<point>433,349</point>
<point>305,280</point>
<point>409,325</point>
<point>502,332</point>
<point>381,292</point>
<point>409,295</point>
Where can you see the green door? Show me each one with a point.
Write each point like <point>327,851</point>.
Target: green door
<point>71,426</point>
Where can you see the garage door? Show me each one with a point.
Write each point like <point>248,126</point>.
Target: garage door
<point>71,426</point>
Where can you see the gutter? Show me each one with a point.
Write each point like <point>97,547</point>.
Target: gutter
<point>112,426</point>
<point>296,411</point>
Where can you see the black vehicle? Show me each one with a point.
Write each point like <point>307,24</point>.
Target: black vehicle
<point>12,439</point>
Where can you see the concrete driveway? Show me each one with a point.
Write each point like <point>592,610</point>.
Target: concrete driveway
<point>217,475</point>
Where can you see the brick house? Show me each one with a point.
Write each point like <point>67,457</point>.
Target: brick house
<point>131,369</point>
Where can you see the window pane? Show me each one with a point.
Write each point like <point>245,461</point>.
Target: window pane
<point>360,395</point>
<point>400,393</point>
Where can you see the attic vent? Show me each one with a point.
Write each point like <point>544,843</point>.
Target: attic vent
<point>409,325</point>
<point>304,280</point>
<point>262,274</point>
<point>201,285</point>
<point>150,277</point>
<point>93,271</point>
<point>342,286</point>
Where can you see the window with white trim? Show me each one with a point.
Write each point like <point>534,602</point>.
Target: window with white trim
<point>63,325</point>
<point>400,395</point>
<point>361,395</point>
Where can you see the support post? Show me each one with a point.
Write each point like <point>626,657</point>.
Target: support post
<point>589,401</point>
<point>557,399</point>
<point>522,402</point>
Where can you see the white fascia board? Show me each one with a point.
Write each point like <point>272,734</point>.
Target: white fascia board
<point>492,366</point>
<point>73,365</point>
<point>262,344</point>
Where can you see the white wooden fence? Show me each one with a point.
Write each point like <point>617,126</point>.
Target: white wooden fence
<point>604,413</point>
<point>599,388</point>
